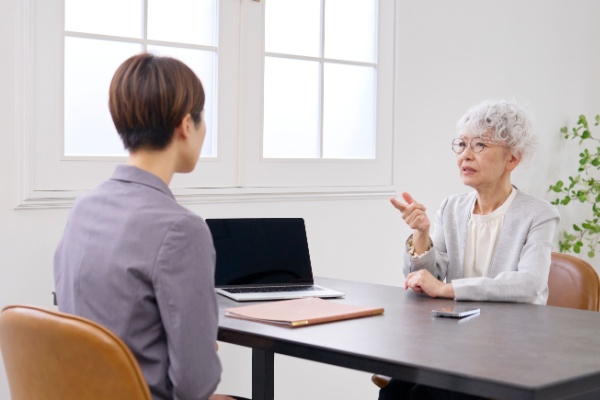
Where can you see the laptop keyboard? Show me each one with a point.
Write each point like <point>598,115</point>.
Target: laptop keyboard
<point>270,289</point>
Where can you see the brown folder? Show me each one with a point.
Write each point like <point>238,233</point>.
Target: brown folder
<point>301,312</point>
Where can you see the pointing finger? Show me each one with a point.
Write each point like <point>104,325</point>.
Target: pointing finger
<point>398,205</point>
<point>407,197</point>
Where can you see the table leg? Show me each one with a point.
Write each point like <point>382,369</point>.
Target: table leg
<point>263,371</point>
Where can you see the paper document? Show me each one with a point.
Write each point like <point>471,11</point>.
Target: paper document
<point>301,312</point>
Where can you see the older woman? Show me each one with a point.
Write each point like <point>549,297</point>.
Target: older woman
<point>491,244</point>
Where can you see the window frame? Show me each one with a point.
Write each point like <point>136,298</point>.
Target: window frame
<point>239,188</point>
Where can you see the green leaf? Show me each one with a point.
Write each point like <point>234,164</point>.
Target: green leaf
<point>565,201</point>
<point>563,247</point>
<point>576,228</point>
<point>591,254</point>
<point>557,187</point>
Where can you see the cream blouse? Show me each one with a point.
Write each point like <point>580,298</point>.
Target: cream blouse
<point>482,236</point>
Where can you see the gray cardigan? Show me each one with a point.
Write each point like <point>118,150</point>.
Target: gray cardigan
<point>520,264</point>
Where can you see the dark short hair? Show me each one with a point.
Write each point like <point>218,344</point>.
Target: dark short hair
<point>149,97</point>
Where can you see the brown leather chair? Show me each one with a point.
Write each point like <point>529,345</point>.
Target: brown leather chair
<point>55,356</point>
<point>572,283</point>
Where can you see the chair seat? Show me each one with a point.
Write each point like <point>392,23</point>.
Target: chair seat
<point>380,380</point>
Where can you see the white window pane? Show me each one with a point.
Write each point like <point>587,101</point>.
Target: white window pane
<point>203,63</point>
<point>293,27</point>
<point>89,68</point>
<point>291,109</point>
<point>183,21</point>
<point>349,112</point>
<point>105,17</point>
<point>350,30</point>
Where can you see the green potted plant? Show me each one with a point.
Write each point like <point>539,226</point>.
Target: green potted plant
<point>583,187</point>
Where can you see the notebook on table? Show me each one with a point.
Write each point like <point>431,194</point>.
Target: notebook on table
<point>264,259</point>
<point>301,312</point>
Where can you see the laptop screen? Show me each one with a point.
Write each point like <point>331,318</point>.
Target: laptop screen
<point>260,251</point>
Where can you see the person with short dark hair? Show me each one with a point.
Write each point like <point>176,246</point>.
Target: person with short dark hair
<point>134,260</point>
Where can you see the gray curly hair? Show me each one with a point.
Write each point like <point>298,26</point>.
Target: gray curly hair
<point>503,120</point>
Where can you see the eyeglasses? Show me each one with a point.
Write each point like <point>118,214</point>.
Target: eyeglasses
<point>478,144</point>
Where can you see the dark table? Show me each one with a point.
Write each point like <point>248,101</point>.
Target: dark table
<point>509,351</point>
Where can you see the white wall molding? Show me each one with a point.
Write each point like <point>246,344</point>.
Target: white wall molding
<point>23,99</point>
<point>65,199</point>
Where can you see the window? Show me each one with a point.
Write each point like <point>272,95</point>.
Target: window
<point>326,75</point>
<point>291,107</point>
<point>99,35</point>
<point>317,112</point>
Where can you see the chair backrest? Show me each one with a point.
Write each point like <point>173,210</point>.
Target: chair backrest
<point>573,283</point>
<point>56,356</point>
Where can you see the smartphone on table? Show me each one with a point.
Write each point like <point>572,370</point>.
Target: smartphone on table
<point>455,311</point>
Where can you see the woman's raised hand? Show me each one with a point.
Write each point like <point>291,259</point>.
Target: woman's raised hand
<point>413,213</point>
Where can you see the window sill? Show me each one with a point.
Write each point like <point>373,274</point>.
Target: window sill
<point>65,199</point>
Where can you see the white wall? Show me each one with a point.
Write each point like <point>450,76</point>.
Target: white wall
<point>450,55</point>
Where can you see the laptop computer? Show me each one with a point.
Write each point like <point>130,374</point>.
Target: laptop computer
<point>264,259</point>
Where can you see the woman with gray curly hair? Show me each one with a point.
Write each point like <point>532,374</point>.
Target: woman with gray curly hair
<point>491,244</point>
<point>494,243</point>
